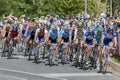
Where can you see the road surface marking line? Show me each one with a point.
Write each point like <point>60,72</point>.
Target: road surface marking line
<point>14,56</point>
<point>57,75</point>
<point>74,74</point>
<point>35,74</point>
<point>13,77</point>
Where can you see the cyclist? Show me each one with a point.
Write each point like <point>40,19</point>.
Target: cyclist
<point>53,34</point>
<point>66,37</point>
<point>5,33</point>
<point>40,35</point>
<point>89,42</point>
<point>13,35</point>
<point>79,37</point>
<point>109,39</point>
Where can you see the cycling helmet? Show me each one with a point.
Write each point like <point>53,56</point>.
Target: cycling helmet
<point>54,28</point>
<point>66,27</point>
<point>7,25</point>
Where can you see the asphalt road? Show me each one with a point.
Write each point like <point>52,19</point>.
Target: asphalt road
<point>19,68</point>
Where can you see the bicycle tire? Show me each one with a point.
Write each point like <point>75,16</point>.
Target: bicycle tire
<point>30,52</point>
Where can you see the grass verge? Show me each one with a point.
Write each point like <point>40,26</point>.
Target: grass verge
<point>116,59</point>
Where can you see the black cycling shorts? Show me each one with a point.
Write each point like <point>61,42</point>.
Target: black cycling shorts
<point>53,41</point>
<point>6,34</point>
<point>65,39</point>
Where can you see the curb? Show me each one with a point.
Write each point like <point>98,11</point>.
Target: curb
<point>115,68</point>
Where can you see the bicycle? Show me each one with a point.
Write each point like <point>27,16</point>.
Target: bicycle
<point>50,55</point>
<point>31,47</point>
<point>10,48</point>
<point>36,52</point>
<point>105,58</point>
<point>83,63</point>
<point>5,47</point>
<point>63,53</point>
<point>20,44</point>
<point>26,50</point>
<point>77,56</point>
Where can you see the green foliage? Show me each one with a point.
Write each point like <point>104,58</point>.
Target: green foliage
<point>34,8</point>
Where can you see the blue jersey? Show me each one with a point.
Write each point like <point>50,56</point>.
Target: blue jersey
<point>53,34</point>
<point>108,37</point>
<point>89,37</point>
<point>28,33</point>
<point>66,34</point>
<point>23,29</point>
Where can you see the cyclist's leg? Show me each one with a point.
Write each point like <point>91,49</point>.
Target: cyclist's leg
<point>53,42</point>
<point>89,49</point>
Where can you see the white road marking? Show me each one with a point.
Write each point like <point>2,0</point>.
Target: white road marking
<point>75,74</point>
<point>13,77</point>
<point>57,75</point>
<point>16,56</point>
<point>34,74</point>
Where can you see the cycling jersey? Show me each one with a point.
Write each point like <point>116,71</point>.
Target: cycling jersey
<point>40,34</point>
<point>28,33</point>
<point>13,33</point>
<point>53,35</point>
<point>108,37</point>
<point>98,36</point>
<point>66,34</point>
<point>23,29</point>
<point>32,35</point>
<point>89,37</point>
<point>80,34</point>
<point>24,26</point>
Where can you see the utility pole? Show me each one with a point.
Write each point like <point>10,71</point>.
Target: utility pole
<point>110,8</point>
<point>85,8</point>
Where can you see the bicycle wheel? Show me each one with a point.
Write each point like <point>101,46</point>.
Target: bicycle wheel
<point>4,49</point>
<point>44,52</point>
<point>71,55</point>
<point>104,66</point>
<point>3,52</point>
<point>76,59</point>
<point>30,52</point>
<point>26,50</point>
<point>36,54</point>
<point>10,50</point>
<point>64,58</point>
<point>20,46</point>
<point>84,61</point>
<point>50,58</point>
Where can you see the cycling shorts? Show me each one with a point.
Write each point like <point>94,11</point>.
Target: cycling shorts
<point>107,41</point>
<point>66,40</point>
<point>23,32</point>
<point>89,42</point>
<point>40,38</point>
<point>53,40</point>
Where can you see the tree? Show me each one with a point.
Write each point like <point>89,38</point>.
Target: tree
<point>34,8</point>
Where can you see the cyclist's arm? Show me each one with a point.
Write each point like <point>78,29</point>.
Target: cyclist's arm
<point>102,39</point>
<point>35,35</point>
<point>94,40</point>
<point>59,36</point>
<point>3,31</point>
<point>20,28</point>
<point>84,39</point>
<point>115,41</point>
<point>48,35</point>
<point>70,37</point>
<point>75,35</point>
